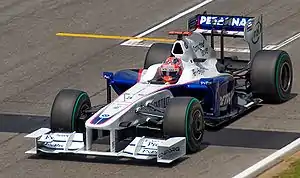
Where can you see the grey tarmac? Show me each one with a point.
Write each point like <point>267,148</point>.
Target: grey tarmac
<point>36,64</point>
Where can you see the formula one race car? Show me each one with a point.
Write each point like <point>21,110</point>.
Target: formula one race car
<point>163,108</point>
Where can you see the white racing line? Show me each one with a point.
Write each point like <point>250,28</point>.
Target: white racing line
<point>272,159</point>
<point>164,23</point>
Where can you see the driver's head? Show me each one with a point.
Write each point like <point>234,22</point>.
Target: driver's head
<point>171,70</point>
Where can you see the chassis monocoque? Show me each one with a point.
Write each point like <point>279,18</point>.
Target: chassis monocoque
<point>165,121</point>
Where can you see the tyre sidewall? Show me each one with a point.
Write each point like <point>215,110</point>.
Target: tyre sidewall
<point>282,60</point>
<point>81,103</point>
<point>192,143</point>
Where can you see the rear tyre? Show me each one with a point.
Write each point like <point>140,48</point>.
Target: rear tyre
<point>157,53</point>
<point>272,76</point>
<point>184,118</point>
<point>67,113</point>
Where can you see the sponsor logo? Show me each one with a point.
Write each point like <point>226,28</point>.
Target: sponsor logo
<point>200,47</point>
<point>226,99</point>
<point>62,135</point>
<point>199,71</point>
<point>116,107</point>
<point>257,32</point>
<point>162,103</point>
<point>149,152</point>
<point>169,151</point>
<point>54,136</point>
<point>224,20</point>
<point>53,145</point>
<point>152,144</point>
<point>49,137</point>
<point>249,25</point>
<point>104,116</point>
<point>128,96</point>
<point>205,83</point>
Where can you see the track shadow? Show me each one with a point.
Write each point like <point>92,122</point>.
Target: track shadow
<point>22,123</point>
<point>222,137</point>
<point>226,137</point>
<point>250,138</point>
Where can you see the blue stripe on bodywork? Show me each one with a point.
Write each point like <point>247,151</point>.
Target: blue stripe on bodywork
<point>101,119</point>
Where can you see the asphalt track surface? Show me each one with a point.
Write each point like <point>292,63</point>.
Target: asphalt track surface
<point>36,64</point>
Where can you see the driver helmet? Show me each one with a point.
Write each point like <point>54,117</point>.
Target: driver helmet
<point>171,70</point>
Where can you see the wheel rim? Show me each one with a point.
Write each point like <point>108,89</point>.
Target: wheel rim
<point>82,117</point>
<point>285,78</point>
<point>197,125</point>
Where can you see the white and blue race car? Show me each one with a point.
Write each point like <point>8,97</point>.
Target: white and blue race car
<point>164,121</point>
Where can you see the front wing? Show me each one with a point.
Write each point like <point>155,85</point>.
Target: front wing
<point>165,151</point>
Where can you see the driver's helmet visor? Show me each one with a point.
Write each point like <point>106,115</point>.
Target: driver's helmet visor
<point>170,71</point>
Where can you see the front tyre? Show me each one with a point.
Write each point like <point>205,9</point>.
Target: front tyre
<point>67,113</point>
<point>184,118</point>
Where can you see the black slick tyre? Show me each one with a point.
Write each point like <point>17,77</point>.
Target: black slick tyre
<point>272,76</point>
<point>157,53</point>
<point>67,113</point>
<point>184,118</point>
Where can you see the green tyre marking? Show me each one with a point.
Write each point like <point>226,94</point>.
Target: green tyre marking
<point>187,119</point>
<point>282,57</point>
<point>75,108</point>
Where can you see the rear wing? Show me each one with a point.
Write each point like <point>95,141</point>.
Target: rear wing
<point>232,25</point>
<point>249,28</point>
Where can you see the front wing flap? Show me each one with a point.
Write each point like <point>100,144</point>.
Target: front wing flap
<point>165,151</point>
